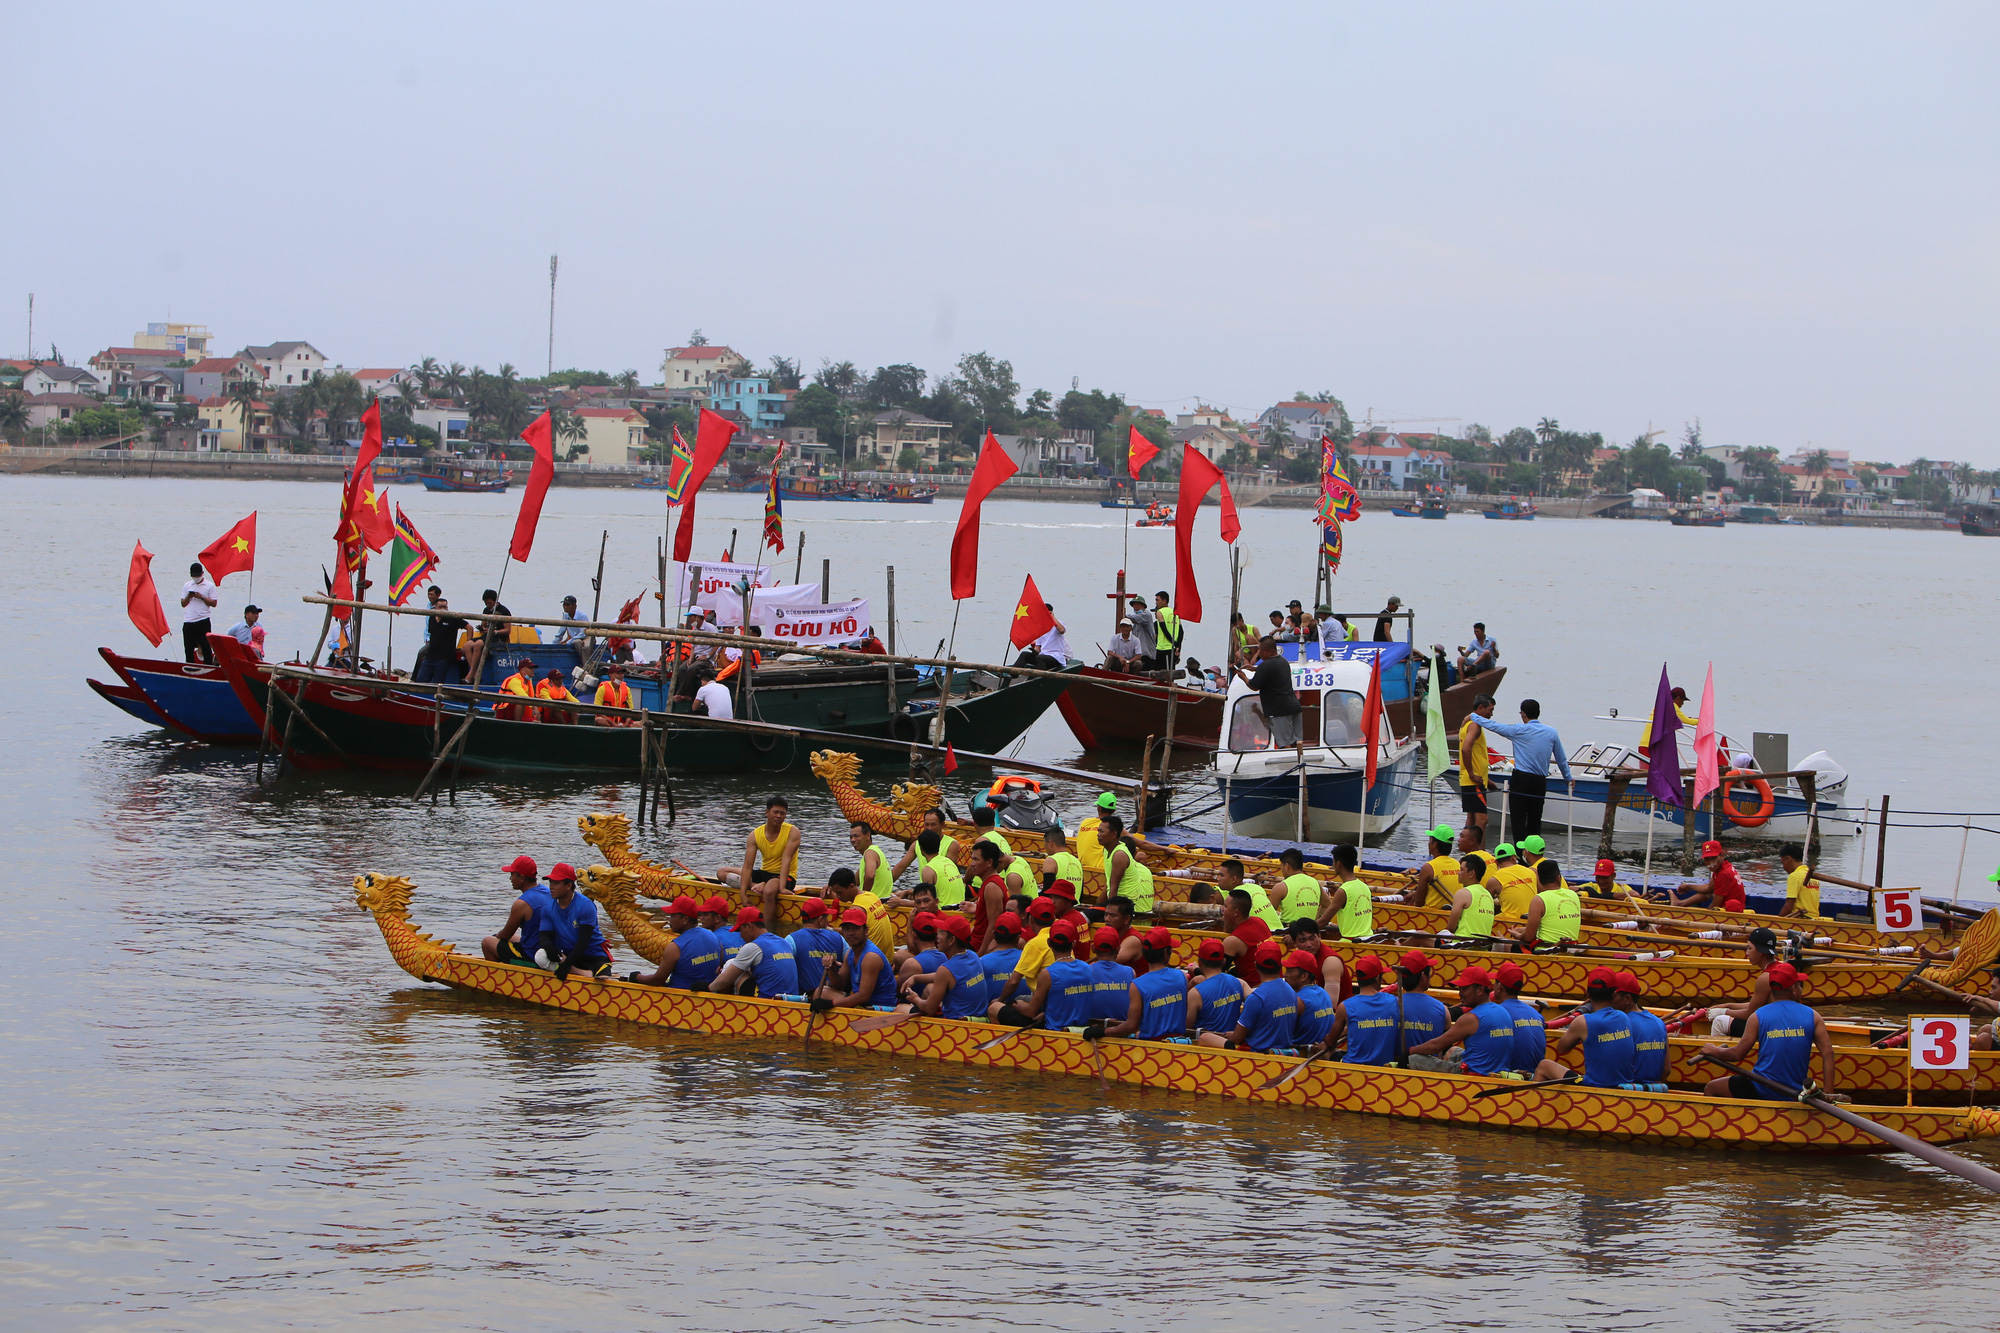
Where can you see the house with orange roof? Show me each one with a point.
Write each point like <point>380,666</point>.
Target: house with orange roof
<point>610,435</point>
<point>695,367</point>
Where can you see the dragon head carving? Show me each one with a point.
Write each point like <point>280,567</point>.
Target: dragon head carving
<point>606,885</point>
<point>836,769</point>
<point>384,895</point>
<point>605,830</point>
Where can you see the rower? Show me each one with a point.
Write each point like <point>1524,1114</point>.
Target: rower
<point>865,969</point>
<point>873,874</point>
<point>1472,906</point>
<point>842,886</point>
<point>1516,883</point>
<point>1315,1017</point>
<point>1118,917</point>
<point>938,869</point>
<point>1123,871</point>
<point>1157,1003</point>
<point>570,936</point>
<point>1986,1038</point>
<point>520,685</point>
<point>613,692</point>
<point>691,958</point>
<point>1328,968</point>
<point>1555,917</point>
<point>770,858</point>
<point>1297,894</point>
<point>1036,955</point>
<point>1215,1001</point>
<point>1604,1033</point>
<point>1436,880</point>
<point>1649,1034</point>
<point>1531,1038</point>
<point>1801,889</point>
<point>1243,933</point>
<point>1063,894</point>
<point>1784,1033</point>
<point>1111,980</point>
<point>816,947</point>
<point>986,879</point>
<point>933,823</point>
<point>984,828</point>
<point>1089,849</point>
<point>1058,862</point>
<point>1367,1018</point>
<point>766,956</point>
<point>1761,948</point>
<point>1604,884</point>
<point>715,915</point>
<point>1063,992</point>
<point>1479,1041</point>
<point>1531,852</point>
<point>1271,1012</point>
<point>1724,890</point>
<point>958,987</point>
<point>998,962</point>
<point>921,956</point>
<point>1350,906</point>
<point>1424,1015</point>
<point>522,917</point>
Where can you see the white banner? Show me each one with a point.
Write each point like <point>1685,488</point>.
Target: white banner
<point>820,623</point>
<point>715,580</point>
<point>729,608</point>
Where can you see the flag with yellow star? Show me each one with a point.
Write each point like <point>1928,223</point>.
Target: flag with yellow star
<point>233,552</point>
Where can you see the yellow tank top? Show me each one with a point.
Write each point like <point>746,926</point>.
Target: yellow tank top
<point>1302,897</point>
<point>771,850</point>
<point>1068,867</point>
<point>1088,849</point>
<point>881,926</point>
<point>1562,916</point>
<point>1356,917</point>
<point>950,883</point>
<point>1477,918</point>
<point>1517,890</point>
<point>1444,884</point>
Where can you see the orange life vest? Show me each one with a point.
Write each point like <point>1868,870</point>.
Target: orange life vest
<point>521,687</point>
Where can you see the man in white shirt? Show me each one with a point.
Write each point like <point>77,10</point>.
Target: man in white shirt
<point>713,700</point>
<point>1126,652</point>
<point>1053,644</point>
<point>198,598</point>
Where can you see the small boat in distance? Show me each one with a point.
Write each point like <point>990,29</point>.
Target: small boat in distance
<point>1694,516</point>
<point>1513,507</point>
<point>458,477</point>
<point>1432,506</point>
<point>1980,520</point>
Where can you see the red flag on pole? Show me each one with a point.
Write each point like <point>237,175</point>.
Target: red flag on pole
<point>1371,722</point>
<point>142,599</point>
<point>1198,475</point>
<point>712,435</point>
<point>1031,616</point>
<point>950,759</point>
<point>364,518</point>
<point>994,467</point>
<point>541,437</point>
<point>1139,451</point>
<point>233,552</point>
<point>341,586</point>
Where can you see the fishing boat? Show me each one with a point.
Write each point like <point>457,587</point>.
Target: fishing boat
<point>131,702</point>
<point>1980,520</point>
<point>1511,508</point>
<point>1617,1114</point>
<point>192,698</point>
<point>1695,516</point>
<point>1432,506</point>
<point>1264,786</point>
<point>895,493</point>
<point>460,479</point>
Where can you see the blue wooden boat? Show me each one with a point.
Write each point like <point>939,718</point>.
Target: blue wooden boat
<point>129,701</point>
<point>193,698</point>
<point>1512,509</point>
<point>464,480</point>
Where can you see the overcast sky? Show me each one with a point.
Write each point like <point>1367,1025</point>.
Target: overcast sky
<point>1780,219</point>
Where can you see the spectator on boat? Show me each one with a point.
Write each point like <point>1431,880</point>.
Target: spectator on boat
<point>570,632</point>
<point>1309,628</point>
<point>1724,889</point>
<point>485,635</point>
<point>1277,702</point>
<point>1784,1033</point>
<point>1801,889</point>
<point>1142,625</point>
<point>1680,698</point>
<point>1053,647</point>
<point>1385,625</point>
<point>1168,632</point>
<point>198,598</point>
<point>440,661</point>
<point>1334,629</point>
<point>613,692</point>
<point>871,645</point>
<point>1210,679</point>
<point>520,685</point>
<point>1126,652</point>
<point>1242,641</point>
<point>1536,746</point>
<point>249,633</point>
<point>553,690</point>
<point>1277,628</point>
<point>1474,763</point>
<point>1482,654</point>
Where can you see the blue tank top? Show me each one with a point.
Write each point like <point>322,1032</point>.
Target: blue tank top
<point>1162,1003</point>
<point>1371,1028</point>
<point>777,972</point>
<point>700,960</point>
<point>1071,991</point>
<point>1649,1045</point>
<point>1424,1017</point>
<point>1271,1013</point>
<point>1607,1049</point>
<point>577,922</point>
<point>815,949</point>
<point>1111,990</point>
<point>729,942</point>
<point>1315,1016</point>
<point>540,904</point>
<point>967,996</point>
<point>929,960</point>
<point>998,966</point>
<point>1221,1003</point>
<point>1784,1044</point>
<point>885,982</point>
<point>1491,1048</point>
<point>1531,1035</point>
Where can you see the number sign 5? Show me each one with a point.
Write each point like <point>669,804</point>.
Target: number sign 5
<point>1898,909</point>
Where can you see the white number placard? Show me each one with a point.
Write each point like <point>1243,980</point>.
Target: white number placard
<point>1899,909</point>
<point>1943,1042</point>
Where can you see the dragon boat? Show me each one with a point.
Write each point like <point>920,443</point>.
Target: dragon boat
<point>1671,1118</point>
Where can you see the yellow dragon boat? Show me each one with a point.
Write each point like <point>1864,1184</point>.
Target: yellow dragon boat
<point>1569,1109</point>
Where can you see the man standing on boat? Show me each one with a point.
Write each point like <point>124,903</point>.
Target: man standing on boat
<point>1167,634</point>
<point>1385,624</point>
<point>1143,629</point>
<point>198,599</point>
<point>1536,746</point>
<point>1474,763</point>
<point>1277,701</point>
<point>439,663</point>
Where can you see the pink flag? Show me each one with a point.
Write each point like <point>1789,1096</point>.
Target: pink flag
<point>1707,766</point>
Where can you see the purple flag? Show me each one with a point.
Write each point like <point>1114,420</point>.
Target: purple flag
<point>1663,751</point>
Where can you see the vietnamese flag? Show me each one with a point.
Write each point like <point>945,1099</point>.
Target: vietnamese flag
<point>1031,616</point>
<point>142,599</point>
<point>541,437</point>
<point>1139,451</point>
<point>712,434</point>
<point>994,467</point>
<point>364,518</point>
<point>1198,475</point>
<point>1371,721</point>
<point>233,552</point>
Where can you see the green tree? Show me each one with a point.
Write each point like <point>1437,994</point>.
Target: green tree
<point>569,429</point>
<point>1611,474</point>
<point>245,394</point>
<point>1041,403</point>
<point>839,376</point>
<point>1691,441</point>
<point>13,417</point>
<point>696,339</point>
<point>456,383</point>
<point>297,409</point>
<point>425,376</point>
<point>899,385</point>
<point>783,372</point>
<point>1094,411</point>
<point>1517,445</point>
<point>344,400</point>
<point>1274,440</point>
<point>818,407</point>
<point>1547,429</point>
<point>987,382</point>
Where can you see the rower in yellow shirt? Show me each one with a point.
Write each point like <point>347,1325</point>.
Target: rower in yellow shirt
<point>1474,762</point>
<point>1517,882</point>
<point>1088,849</point>
<point>1801,889</point>
<point>1436,881</point>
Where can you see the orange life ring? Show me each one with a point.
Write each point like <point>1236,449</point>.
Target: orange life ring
<point>1756,818</point>
<point>1004,785</point>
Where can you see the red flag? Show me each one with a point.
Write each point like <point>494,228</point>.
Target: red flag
<point>364,518</point>
<point>1139,451</point>
<point>1232,527</point>
<point>1371,721</point>
<point>1031,616</point>
<point>233,552</point>
<point>994,467</point>
<point>341,586</point>
<point>541,436</point>
<point>950,759</point>
<point>142,599</point>
<point>1198,475</point>
<point>712,434</point>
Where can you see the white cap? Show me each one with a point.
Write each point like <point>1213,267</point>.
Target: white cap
<point>1742,760</point>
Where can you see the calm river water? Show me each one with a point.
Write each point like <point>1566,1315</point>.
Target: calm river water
<point>228,1109</point>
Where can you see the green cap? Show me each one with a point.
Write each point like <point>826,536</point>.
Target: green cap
<point>1445,833</point>
<point>1504,850</point>
<point>1994,877</point>
<point>1533,843</point>
<point>1106,801</point>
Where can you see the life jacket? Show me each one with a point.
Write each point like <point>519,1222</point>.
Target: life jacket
<point>614,694</point>
<point>519,687</point>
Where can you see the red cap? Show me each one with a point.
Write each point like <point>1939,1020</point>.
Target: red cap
<point>1782,975</point>
<point>1010,921</point>
<point>1105,937</point>
<point>1062,888</point>
<point>683,906</point>
<point>854,916</point>
<point>1210,951</point>
<point>1044,910</point>
<point>717,904</point>
<point>1063,930</point>
<point>561,870</point>
<point>1628,983</point>
<point>1302,960</point>
<point>750,916</point>
<point>925,921</point>
<point>1473,976</point>
<point>1270,951</point>
<point>1414,961</point>
<point>812,907</point>
<point>1510,975</point>
<point>1368,965</point>
<point>520,865</point>
<point>1607,867</point>
<point>1159,937</point>
<point>1601,976</point>
<point>1711,848</point>
<point>958,926</point>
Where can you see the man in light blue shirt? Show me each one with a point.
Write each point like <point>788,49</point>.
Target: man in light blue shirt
<point>570,633</point>
<point>1536,745</point>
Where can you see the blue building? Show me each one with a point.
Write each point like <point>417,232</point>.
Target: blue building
<point>763,407</point>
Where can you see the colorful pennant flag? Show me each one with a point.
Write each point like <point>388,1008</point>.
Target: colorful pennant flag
<point>774,513</point>
<point>712,434</point>
<point>1339,501</point>
<point>678,469</point>
<point>411,559</point>
<point>1330,546</point>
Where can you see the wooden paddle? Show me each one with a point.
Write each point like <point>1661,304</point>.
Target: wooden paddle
<point>1523,1087</point>
<point>999,1041</point>
<point>1984,1177</point>
<point>876,1022</point>
<point>1097,1061</point>
<point>1940,988</point>
<point>1280,1080</point>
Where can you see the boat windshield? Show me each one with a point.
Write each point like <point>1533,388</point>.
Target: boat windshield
<point>1331,717</point>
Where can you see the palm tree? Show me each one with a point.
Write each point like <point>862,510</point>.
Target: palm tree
<point>424,376</point>
<point>299,407</point>
<point>244,393</point>
<point>1547,429</point>
<point>569,428</point>
<point>627,379</point>
<point>456,383</point>
<point>13,415</point>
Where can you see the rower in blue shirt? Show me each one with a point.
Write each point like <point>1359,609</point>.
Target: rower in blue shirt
<point>764,954</point>
<point>715,917</point>
<point>1156,1005</point>
<point>1111,980</point>
<point>1603,1033</point>
<point>1531,1037</point>
<point>1367,1018</point>
<point>1536,746</point>
<point>570,937</point>
<point>691,958</point>
<point>816,947</point>
<point>999,961</point>
<point>521,934</point>
<point>1064,990</point>
<point>1649,1034</point>
<point>1216,1001</point>
<point>1479,1041</point>
<point>1424,1016</point>
<point>1784,1033</point>
<point>1315,1016</point>
<point>958,984</point>
<point>865,972</point>
<point>1271,1012</point>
